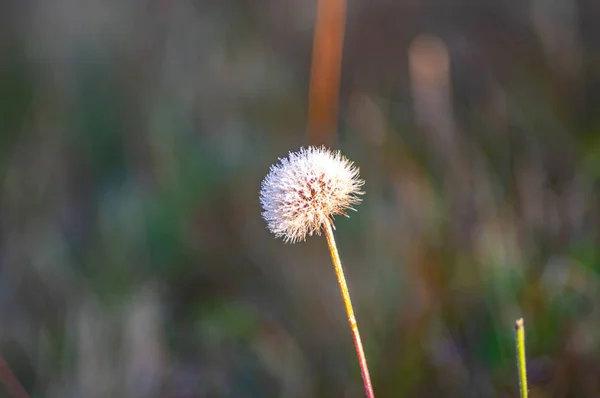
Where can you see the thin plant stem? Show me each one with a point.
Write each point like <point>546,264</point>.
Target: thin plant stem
<point>521,365</point>
<point>362,360</point>
<point>325,72</point>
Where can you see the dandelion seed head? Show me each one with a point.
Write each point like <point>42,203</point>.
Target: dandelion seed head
<point>307,189</point>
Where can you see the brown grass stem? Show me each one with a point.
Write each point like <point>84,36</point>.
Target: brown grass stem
<point>362,360</point>
<point>325,72</point>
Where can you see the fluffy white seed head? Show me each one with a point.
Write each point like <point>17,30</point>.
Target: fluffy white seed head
<point>306,189</point>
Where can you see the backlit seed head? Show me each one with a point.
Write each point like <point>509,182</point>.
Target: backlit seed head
<point>305,190</point>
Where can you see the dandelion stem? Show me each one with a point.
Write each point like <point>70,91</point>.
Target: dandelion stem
<point>362,360</point>
<point>521,366</point>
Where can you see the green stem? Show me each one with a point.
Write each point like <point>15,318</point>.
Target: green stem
<point>521,365</point>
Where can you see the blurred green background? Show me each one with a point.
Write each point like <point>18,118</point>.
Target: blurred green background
<point>133,258</point>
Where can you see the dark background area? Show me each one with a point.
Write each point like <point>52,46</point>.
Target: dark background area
<point>133,258</point>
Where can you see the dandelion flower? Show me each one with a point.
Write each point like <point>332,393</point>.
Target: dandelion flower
<point>306,190</point>
<point>300,196</point>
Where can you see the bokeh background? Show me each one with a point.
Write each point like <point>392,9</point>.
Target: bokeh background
<point>133,258</point>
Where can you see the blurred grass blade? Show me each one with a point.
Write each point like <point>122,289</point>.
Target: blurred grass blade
<point>325,71</point>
